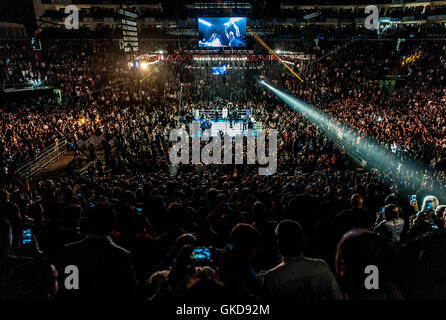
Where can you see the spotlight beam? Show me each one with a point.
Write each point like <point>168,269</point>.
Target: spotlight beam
<point>331,127</point>
<point>259,40</point>
<point>145,68</point>
<point>368,149</point>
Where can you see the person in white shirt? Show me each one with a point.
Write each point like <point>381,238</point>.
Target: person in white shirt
<point>298,277</point>
<point>389,223</point>
<point>224,114</point>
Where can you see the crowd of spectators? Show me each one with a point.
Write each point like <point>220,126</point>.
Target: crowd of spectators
<point>408,122</point>
<point>135,230</point>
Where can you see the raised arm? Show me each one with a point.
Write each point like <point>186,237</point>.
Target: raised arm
<point>226,31</point>
<point>237,31</point>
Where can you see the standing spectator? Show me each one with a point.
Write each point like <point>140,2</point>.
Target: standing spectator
<point>423,221</point>
<point>356,217</point>
<point>105,269</point>
<point>440,217</point>
<point>298,277</point>
<point>357,250</point>
<point>389,224</point>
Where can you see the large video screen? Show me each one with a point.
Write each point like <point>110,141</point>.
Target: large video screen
<point>222,70</point>
<point>222,32</point>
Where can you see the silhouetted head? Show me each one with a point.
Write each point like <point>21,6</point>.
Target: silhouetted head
<point>289,236</point>
<point>356,201</point>
<point>101,219</point>
<point>245,239</point>
<point>358,251</point>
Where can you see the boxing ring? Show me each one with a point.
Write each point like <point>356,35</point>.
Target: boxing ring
<point>217,121</point>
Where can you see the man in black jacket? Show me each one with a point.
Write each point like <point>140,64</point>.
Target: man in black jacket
<point>105,270</point>
<point>356,217</point>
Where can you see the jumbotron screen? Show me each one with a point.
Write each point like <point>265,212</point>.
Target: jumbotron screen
<point>222,32</point>
<point>221,70</point>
